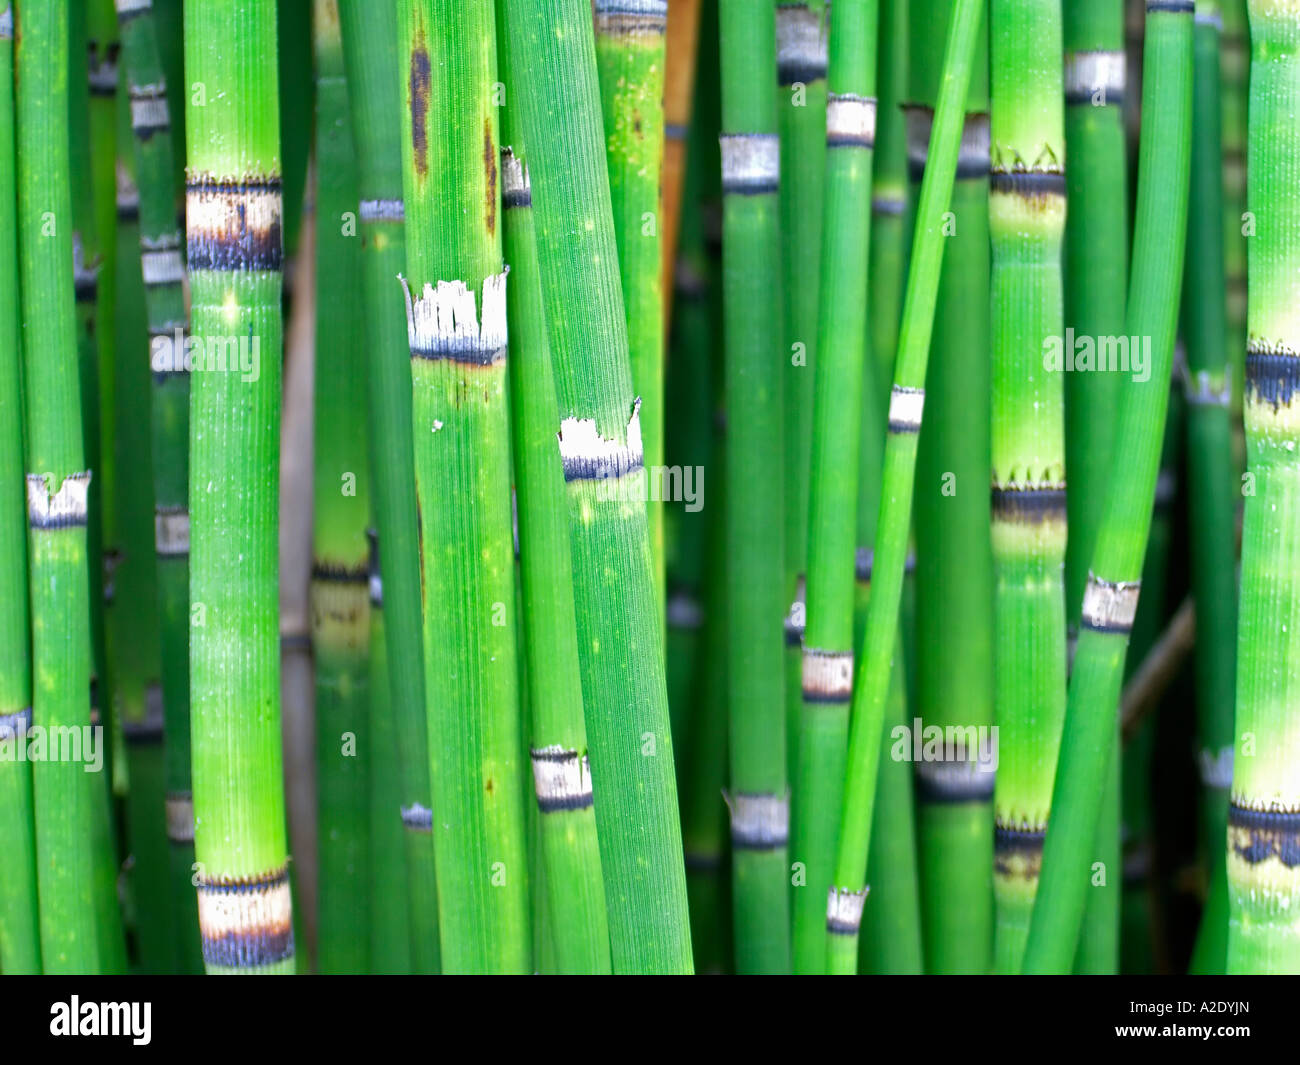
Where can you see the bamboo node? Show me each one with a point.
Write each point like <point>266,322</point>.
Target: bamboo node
<point>844,910</point>
<point>751,163</point>
<point>1110,606</point>
<point>759,822</point>
<point>65,509</point>
<point>801,45</point>
<point>443,323</point>
<point>561,779</point>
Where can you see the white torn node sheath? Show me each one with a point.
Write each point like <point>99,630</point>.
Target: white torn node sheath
<point>906,406</point>
<point>161,261</point>
<point>801,45</point>
<point>171,531</point>
<point>759,822</point>
<point>844,910</point>
<point>179,809</point>
<point>588,456</point>
<point>1099,75</point>
<point>244,916</point>
<point>443,322</point>
<point>64,509</point>
<point>249,209</point>
<point>850,120</point>
<point>149,109</point>
<point>417,817</point>
<point>561,779</point>
<point>1216,768</point>
<point>751,162</point>
<point>516,189</point>
<point>827,676</point>
<point>1110,606</point>
<point>131,7</point>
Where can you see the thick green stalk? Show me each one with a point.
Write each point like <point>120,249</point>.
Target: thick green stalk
<point>954,558</point>
<point>57,492</point>
<point>630,62</point>
<point>234,217</point>
<point>1026,227</point>
<point>1096,270</point>
<point>801,51</point>
<point>880,633</point>
<point>340,576</point>
<point>370,51</point>
<point>161,257</point>
<point>456,321</point>
<point>1110,599</point>
<point>390,914</point>
<point>827,675</point>
<point>619,620</point>
<point>561,769</point>
<point>20,940</point>
<point>1264,816</point>
<point>759,803</point>
<point>1213,497</point>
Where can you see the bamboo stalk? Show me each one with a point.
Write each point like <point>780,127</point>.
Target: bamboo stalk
<point>759,803</point>
<point>57,488</point>
<point>877,646</point>
<point>954,557</point>
<point>619,634</point>
<point>1096,267</point>
<point>1115,573</point>
<point>160,254</point>
<point>340,580</point>
<point>456,321</point>
<point>1264,815</point>
<point>1234,54</point>
<point>801,57</point>
<point>1026,224</point>
<point>630,61</point>
<point>1213,499</point>
<point>561,769</point>
<point>233,216</point>
<point>827,681</point>
<point>681,47</point>
<point>370,52</point>
<point>20,939</point>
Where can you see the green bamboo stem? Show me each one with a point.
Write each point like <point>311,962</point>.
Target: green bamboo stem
<point>57,489</point>
<point>296,94</point>
<point>681,48</point>
<point>390,915</point>
<point>1213,496</point>
<point>827,680</point>
<point>877,647</point>
<point>1026,226</point>
<point>758,800</point>
<point>370,51</point>
<point>456,320</point>
<point>801,57</point>
<point>954,559</point>
<point>1234,54</point>
<point>340,576</point>
<point>1115,573</point>
<point>162,260</point>
<point>20,939</point>
<point>561,770</point>
<point>619,633</point>
<point>630,50</point>
<point>1264,816</point>
<point>234,215</point>
<point>1096,268</point>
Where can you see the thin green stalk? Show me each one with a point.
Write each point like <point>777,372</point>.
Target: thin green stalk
<point>880,634</point>
<point>20,939</point>
<point>296,95</point>
<point>827,680</point>
<point>619,618</point>
<point>370,51</point>
<point>456,320</point>
<point>1234,54</point>
<point>1264,816</point>
<point>340,576</point>
<point>630,49</point>
<point>163,267</point>
<point>686,18</point>
<point>1213,497</point>
<point>391,911</point>
<point>759,802</point>
<point>1026,227</point>
<point>561,769</point>
<point>801,57</point>
<point>954,557</point>
<point>234,215</point>
<point>1110,599</point>
<point>57,491</point>
<point>1096,270</point>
